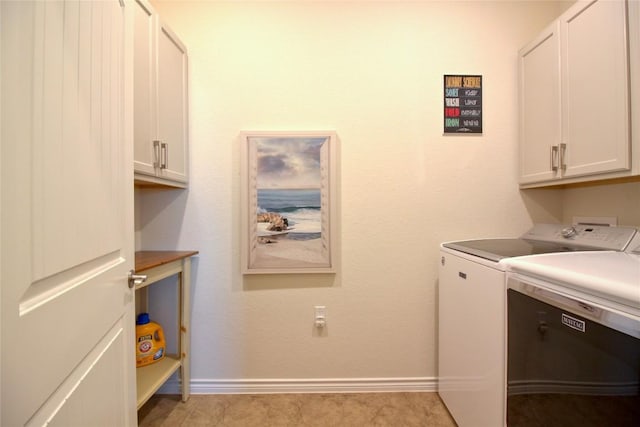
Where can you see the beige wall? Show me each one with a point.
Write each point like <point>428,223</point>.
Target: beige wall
<point>371,71</point>
<point>621,201</point>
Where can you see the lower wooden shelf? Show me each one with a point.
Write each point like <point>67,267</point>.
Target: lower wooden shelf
<point>149,378</point>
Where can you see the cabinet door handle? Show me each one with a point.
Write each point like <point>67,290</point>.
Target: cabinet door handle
<point>136,279</point>
<point>563,157</point>
<point>164,150</point>
<point>156,154</point>
<point>554,158</point>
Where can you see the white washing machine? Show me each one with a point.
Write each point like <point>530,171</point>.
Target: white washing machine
<point>573,340</point>
<point>472,312</point>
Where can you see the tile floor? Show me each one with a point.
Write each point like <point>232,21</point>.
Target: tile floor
<point>356,409</point>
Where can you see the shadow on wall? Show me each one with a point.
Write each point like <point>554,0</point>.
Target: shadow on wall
<point>544,205</point>
<point>159,217</point>
<point>620,200</point>
<point>600,198</point>
<point>262,282</point>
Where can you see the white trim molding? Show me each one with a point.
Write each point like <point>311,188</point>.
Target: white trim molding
<point>324,385</point>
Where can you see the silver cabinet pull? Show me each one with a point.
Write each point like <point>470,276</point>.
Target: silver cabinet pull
<point>563,157</point>
<point>156,154</point>
<point>554,158</point>
<point>164,151</point>
<point>136,279</point>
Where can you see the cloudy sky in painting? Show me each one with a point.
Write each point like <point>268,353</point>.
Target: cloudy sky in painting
<point>291,162</point>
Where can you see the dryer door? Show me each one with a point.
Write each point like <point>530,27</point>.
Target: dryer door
<point>570,362</point>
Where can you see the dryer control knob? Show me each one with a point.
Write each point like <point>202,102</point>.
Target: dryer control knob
<point>569,232</point>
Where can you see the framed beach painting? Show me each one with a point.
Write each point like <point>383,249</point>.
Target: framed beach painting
<point>289,192</point>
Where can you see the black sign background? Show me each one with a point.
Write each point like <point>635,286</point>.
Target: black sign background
<point>462,103</point>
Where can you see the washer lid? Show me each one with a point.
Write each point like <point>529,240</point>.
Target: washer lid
<point>548,238</point>
<point>614,276</point>
<point>497,249</point>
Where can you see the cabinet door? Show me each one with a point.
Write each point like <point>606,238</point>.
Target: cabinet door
<point>595,88</point>
<point>144,89</point>
<point>172,104</point>
<point>540,109</point>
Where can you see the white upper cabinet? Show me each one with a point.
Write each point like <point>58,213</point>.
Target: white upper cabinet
<point>575,97</point>
<point>540,129</point>
<point>144,126</point>
<point>172,104</point>
<point>160,102</point>
<point>595,88</point>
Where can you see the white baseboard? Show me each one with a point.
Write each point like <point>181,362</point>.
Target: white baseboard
<point>326,385</point>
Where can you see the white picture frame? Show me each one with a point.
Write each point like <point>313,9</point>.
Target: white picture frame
<point>289,191</point>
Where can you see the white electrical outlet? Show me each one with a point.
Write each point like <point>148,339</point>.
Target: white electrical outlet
<point>321,310</point>
<point>320,316</point>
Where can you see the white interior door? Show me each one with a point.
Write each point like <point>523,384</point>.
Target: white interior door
<point>67,220</point>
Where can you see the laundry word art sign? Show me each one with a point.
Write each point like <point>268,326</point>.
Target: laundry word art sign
<point>462,104</point>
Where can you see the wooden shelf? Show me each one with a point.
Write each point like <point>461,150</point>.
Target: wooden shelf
<point>158,265</point>
<point>151,377</point>
<point>150,259</point>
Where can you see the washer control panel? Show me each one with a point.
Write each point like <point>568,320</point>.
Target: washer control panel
<point>594,236</point>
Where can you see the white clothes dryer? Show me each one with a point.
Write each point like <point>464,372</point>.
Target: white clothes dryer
<point>472,312</point>
<point>573,345</point>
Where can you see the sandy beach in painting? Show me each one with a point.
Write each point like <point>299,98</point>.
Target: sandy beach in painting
<point>289,229</point>
<point>282,252</point>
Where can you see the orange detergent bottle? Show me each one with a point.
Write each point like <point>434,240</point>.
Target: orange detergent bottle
<point>150,344</point>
